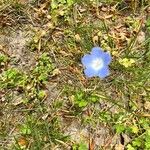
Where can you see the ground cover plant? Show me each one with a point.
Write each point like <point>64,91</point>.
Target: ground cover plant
<point>74,75</point>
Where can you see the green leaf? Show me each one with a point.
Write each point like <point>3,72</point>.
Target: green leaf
<point>129,147</point>
<point>41,94</point>
<point>148,132</point>
<point>82,147</point>
<point>62,1</point>
<point>25,129</point>
<point>134,129</point>
<point>70,2</point>
<point>3,58</point>
<point>94,99</point>
<point>119,128</point>
<point>83,103</point>
<point>42,77</point>
<point>137,142</point>
<point>54,4</point>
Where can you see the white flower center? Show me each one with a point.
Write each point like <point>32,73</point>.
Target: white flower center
<point>97,64</point>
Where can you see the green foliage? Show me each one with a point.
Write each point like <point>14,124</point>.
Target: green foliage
<point>12,78</point>
<point>3,59</point>
<point>129,147</point>
<point>105,116</point>
<point>43,69</point>
<point>124,92</point>
<point>148,24</point>
<point>61,8</point>
<point>41,94</point>
<point>137,142</point>
<point>120,128</point>
<point>82,99</point>
<point>41,131</point>
<point>57,3</point>
<point>25,129</point>
<point>147,141</point>
<point>80,146</point>
<point>141,142</point>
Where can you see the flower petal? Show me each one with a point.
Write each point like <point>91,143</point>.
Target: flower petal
<point>97,63</point>
<point>86,59</point>
<point>89,72</point>
<point>103,72</point>
<point>97,52</point>
<point>107,58</point>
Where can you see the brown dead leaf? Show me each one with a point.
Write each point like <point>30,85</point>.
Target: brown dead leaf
<point>104,9</point>
<point>22,142</point>
<point>91,144</point>
<point>119,147</point>
<point>141,37</point>
<point>77,38</point>
<point>95,39</point>
<point>56,72</point>
<point>23,1</point>
<point>109,16</point>
<point>147,105</point>
<point>63,53</point>
<point>17,100</point>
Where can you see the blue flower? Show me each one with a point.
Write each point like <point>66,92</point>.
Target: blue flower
<point>96,63</point>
